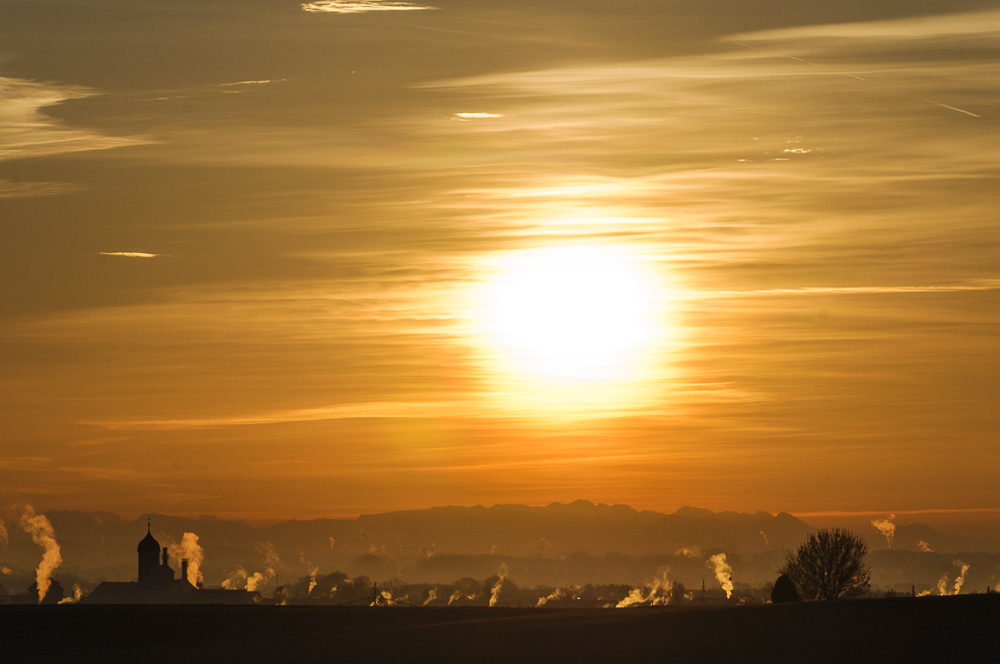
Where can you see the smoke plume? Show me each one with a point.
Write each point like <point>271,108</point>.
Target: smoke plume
<point>688,552</point>
<point>312,580</point>
<point>5,570</point>
<point>925,547</point>
<point>723,573</point>
<point>942,584</point>
<point>495,593</point>
<point>42,534</point>
<point>455,596</point>
<point>236,580</point>
<point>271,561</point>
<point>659,592</point>
<point>191,551</point>
<point>431,596</point>
<point>764,535</point>
<point>960,581</point>
<point>3,534</point>
<point>559,593</point>
<point>75,597</point>
<point>887,527</point>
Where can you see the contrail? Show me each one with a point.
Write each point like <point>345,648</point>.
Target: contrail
<point>950,108</point>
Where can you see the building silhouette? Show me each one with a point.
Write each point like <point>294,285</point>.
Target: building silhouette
<point>156,583</point>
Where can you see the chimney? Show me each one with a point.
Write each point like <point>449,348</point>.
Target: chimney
<point>184,569</point>
<point>166,558</point>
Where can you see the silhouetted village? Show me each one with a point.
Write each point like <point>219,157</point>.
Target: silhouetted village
<point>381,561</point>
<point>395,605</point>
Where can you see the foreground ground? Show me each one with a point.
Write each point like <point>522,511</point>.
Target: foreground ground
<point>932,629</point>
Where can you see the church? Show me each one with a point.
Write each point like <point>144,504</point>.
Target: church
<point>156,583</point>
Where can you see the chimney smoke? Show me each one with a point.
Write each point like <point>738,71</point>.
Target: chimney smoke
<point>887,527</point>
<point>42,534</point>
<point>659,592</point>
<point>495,593</point>
<point>190,550</point>
<point>723,573</point>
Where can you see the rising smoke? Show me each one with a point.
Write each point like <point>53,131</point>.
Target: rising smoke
<point>431,596</point>
<point>569,592</point>
<point>723,573</point>
<point>3,534</point>
<point>495,592</point>
<point>42,534</point>
<point>191,551</point>
<point>887,527</point>
<point>236,580</point>
<point>312,580</point>
<point>75,597</point>
<point>659,592</point>
<point>271,561</point>
<point>455,596</point>
<point>942,584</point>
<point>925,547</point>
<point>688,552</point>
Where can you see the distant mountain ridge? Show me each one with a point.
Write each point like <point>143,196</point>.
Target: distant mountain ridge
<point>439,541</point>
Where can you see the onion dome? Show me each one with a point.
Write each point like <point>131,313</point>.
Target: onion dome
<point>148,543</point>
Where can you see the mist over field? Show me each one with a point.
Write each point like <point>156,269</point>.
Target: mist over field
<point>554,551</point>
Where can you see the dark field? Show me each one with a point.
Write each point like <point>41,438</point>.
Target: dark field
<point>932,629</point>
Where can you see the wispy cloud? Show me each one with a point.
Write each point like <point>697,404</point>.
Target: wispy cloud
<point>477,116</point>
<point>360,6</point>
<point>346,411</point>
<point>26,132</point>
<point>262,82</point>
<point>129,254</point>
<point>10,189</point>
<point>983,285</point>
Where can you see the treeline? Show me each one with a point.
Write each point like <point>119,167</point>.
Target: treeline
<point>338,588</point>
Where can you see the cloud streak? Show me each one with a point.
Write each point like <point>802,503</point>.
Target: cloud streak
<point>27,132</point>
<point>360,6</point>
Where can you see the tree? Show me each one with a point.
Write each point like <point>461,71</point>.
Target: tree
<point>784,590</point>
<point>830,564</point>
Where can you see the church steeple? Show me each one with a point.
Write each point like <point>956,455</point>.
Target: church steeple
<point>149,556</point>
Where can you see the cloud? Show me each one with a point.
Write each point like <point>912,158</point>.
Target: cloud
<point>27,132</point>
<point>129,254</point>
<point>477,116</point>
<point>262,82</point>
<point>10,189</point>
<point>347,411</point>
<point>360,6</point>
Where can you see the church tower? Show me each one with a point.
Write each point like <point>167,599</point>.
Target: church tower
<point>149,558</point>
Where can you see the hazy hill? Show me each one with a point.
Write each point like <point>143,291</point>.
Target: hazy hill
<point>578,542</point>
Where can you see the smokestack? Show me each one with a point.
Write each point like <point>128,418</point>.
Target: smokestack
<point>166,558</point>
<point>184,569</point>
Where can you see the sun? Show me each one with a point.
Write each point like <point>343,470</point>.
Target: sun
<point>570,313</point>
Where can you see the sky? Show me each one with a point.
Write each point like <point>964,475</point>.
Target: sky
<point>271,259</point>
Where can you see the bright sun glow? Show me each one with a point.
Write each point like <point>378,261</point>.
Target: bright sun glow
<point>570,314</point>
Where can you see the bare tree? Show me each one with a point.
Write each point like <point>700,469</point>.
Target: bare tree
<point>830,564</point>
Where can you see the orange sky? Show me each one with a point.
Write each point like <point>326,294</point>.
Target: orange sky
<point>270,259</point>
